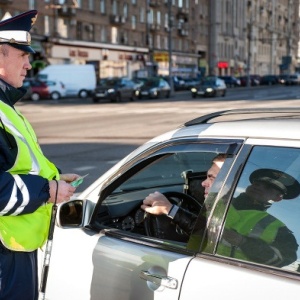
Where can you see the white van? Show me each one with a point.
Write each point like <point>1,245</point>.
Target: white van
<point>79,80</point>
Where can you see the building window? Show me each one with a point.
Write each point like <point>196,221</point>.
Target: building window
<point>187,4</point>
<point>124,38</point>
<point>46,25</point>
<point>102,6</point>
<point>133,22</point>
<point>158,17</point>
<point>125,10</point>
<point>114,8</point>
<point>133,2</point>
<point>166,23</point>
<point>158,42</point>
<point>151,17</point>
<point>32,4</point>
<point>166,44</point>
<point>79,30</point>
<point>114,35</point>
<point>91,5</point>
<point>142,15</point>
<point>103,37</point>
<point>180,45</point>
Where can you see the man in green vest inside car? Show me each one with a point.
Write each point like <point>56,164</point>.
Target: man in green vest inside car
<point>251,233</point>
<point>29,182</point>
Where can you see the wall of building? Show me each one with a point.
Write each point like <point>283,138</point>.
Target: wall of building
<point>207,36</point>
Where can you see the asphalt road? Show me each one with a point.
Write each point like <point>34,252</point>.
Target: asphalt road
<point>85,137</point>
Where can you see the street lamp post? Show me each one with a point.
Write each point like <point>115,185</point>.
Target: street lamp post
<point>249,58</point>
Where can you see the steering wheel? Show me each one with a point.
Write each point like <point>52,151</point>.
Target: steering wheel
<point>163,227</point>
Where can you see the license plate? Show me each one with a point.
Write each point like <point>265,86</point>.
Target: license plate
<point>100,95</point>
<point>144,93</point>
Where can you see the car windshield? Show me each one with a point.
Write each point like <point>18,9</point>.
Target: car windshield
<point>151,83</point>
<point>111,82</point>
<point>208,82</point>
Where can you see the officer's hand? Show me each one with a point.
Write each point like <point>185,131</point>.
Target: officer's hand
<point>69,177</point>
<point>64,191</point>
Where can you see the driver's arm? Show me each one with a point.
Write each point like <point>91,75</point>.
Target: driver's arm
<point>157,204</point>
<point>185,220</point>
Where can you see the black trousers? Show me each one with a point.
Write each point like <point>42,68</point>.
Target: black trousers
<point>18,275</point>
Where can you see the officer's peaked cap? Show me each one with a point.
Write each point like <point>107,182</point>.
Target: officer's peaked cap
<point>15,30</point>
<point>282,181</point>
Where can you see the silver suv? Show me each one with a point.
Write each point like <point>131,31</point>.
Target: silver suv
<point>245,235</point>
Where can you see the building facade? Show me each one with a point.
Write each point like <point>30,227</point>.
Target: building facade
<point>255,36</point>
<point>146,37</point>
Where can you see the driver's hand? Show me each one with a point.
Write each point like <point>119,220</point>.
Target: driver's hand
<point>156,204</point>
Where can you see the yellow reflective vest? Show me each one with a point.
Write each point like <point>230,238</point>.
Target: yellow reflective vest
<point>26,232</point>
<point>249,223</point>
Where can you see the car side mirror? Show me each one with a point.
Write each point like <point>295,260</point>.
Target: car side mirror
<point>74,213</point>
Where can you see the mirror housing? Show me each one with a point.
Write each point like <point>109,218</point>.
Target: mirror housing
<point>74,213</point>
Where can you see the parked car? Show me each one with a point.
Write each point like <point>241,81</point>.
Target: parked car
<point>269,80</point>
<point>178,82</point>
<point>231,81</point>
<point>105,246</point>
<point>139,82</point>
<point>56,89</point>
<point>283,78</point>
<point>210,87</point>
<point>254,80</point>
<point>191,82</point>
<point>114,89</point>
<point>28,88</point>
<point>292,79</point>
<point>39,89</point>
<point>154,88</point>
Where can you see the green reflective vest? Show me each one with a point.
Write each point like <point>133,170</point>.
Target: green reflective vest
<point>26,232</point>
<point>249,223</point>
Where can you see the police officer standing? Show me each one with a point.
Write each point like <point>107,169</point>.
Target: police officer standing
<point>29,182</point>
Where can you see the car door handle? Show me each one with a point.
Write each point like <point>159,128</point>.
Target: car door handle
<point>159,280</point>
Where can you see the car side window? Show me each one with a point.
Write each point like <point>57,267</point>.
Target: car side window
<point>262,224</point>
<point>177,172</point>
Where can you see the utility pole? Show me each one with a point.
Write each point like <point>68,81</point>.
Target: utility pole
<point>249,38</point>
<point>213,36</point>
<point>170,25</point>
<point>289,36</point>
<point>150,65</point>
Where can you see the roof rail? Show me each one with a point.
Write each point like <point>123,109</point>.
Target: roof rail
<point>245,111</point>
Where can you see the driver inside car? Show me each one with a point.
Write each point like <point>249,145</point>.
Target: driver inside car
<point>157,204</point>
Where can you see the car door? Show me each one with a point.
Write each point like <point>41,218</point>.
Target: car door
<point>263,265</point>
<point>115,255</point>
<point>126,88</point>
<point>141,264</point>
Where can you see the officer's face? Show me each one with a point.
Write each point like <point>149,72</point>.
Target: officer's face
<point>14,64</point>
<point>263,192</point>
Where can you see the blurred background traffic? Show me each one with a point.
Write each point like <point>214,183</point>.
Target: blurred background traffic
<point>245,43</point>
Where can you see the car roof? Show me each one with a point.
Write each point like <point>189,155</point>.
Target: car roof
<point>263,123</point>
<point>280,123</point>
